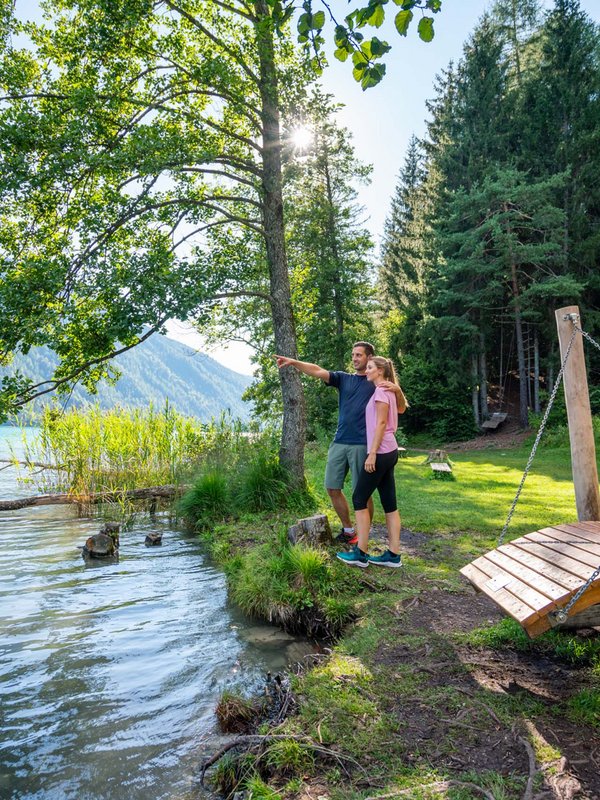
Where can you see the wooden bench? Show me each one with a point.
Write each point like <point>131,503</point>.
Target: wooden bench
<point>402,452</point>
<point>537,574</point>
<point>493,422</point>
<point>440,469</point>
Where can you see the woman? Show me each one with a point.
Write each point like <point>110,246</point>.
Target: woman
<point>378,472</point>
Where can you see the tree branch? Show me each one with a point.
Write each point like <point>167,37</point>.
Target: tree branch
<point>244,293</point>
<point>215,39</point>
<point>80,370</point>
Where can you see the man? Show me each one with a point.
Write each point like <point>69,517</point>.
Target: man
<point>348,451</point>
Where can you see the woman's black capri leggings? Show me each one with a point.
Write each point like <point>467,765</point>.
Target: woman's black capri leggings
<point>382,479</point>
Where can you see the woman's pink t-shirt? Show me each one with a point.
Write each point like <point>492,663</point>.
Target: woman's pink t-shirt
<point>388,443</point>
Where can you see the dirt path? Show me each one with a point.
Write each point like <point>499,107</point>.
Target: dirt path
<point>508,697</point>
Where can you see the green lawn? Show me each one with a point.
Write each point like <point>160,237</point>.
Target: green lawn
<point>478,500</point>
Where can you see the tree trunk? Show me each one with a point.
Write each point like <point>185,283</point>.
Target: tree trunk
<point>338,308</point>
<point>291,453</point>
<point>475,389</point>
<point>536,372</point>
<point>528,367</point>
<point>523,409</point>
<point>483,384</point>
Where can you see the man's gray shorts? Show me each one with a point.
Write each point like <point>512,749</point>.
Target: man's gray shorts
<point>342,458</point>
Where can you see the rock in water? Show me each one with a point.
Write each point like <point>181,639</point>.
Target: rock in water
<point>153,539</point>
<point>100,545</point>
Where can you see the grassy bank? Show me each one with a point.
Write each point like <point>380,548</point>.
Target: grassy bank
<point>430,692</point>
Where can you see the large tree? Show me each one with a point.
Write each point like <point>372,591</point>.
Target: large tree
<point>129,132</point>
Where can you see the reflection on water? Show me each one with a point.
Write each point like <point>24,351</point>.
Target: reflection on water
<point>109,676</point>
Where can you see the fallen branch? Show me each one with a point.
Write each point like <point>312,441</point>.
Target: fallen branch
<point>94,498</point>
<point>254,739</point>
<point>438,786</point>
<point>532,769</point>
<point>13,461</point>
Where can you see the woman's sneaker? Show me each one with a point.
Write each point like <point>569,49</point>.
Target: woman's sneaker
<point>388,559</point>
<point>354,558</point>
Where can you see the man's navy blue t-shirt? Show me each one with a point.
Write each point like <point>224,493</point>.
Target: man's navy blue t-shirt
<point>355,392</point>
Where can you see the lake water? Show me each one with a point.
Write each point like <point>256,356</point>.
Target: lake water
<point>109,675</point>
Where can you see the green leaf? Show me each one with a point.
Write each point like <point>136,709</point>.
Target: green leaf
<point>377,17</point>
<point>318,20</point>
<point>402,21</point>
<point>341,54</point>
<point>340,36</point>
<point>434,5</point>
<point>426,29</point>
<point>372,76</point>
<point>303,24</point>
<point>379,48</point>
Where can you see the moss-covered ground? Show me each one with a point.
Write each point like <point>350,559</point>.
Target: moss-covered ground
<point>429,691</point>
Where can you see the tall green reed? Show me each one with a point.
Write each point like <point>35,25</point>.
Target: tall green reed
<point>110,451</point>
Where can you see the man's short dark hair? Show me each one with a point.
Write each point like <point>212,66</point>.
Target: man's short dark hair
<point>368,347</point>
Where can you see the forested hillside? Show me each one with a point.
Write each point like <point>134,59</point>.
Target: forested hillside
<point>496,220</point>
<point>157,370</point>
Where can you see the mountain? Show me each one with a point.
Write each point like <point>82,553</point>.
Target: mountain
<point>154,371</point>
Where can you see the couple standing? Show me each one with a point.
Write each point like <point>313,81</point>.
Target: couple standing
<point>364,444</point>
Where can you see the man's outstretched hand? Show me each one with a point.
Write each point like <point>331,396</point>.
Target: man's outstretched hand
<point>283,361</point>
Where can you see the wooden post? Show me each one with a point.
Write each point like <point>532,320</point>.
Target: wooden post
<point>581,435</point>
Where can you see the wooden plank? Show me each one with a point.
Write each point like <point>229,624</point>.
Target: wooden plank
<point>511,583</point>
<point>440,467</point>
<point>567,554</point>
<point>495,420</point>
<point>586,540</point>
<point>548,570</point>
<point>478,574</point>
<point>544,585</point>
<point>556,559</point>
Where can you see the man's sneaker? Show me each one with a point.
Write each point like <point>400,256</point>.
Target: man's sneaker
<point>353,540</point>
<point>344,537</point>
<point>354,558</point>
<point>388,559</point>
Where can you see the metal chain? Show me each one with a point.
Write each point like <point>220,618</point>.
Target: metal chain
<point>562,614</point>
<point>588,337</point>
<point>559,378</point>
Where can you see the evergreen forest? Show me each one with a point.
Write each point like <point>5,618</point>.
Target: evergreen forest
<point>495,221</point>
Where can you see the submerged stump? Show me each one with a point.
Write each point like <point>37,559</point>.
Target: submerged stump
<point>104,544</point>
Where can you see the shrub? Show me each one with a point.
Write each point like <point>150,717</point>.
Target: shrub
<point>235,713</point>
<point>263,485</point>
<point>207,500</point>
<point>288,757</point>
<point>258,790</point>
<point>306,566</point>
<point>293,587</point>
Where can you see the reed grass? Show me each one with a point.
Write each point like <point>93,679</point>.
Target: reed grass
<point>110,451</point>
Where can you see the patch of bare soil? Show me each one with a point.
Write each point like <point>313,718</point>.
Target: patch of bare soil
<point>507,436</point>
<point>474,736</point>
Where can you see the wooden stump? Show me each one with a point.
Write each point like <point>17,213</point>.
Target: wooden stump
<point>311,531</point>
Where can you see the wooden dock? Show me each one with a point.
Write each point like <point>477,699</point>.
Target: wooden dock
<point>537,574</point>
